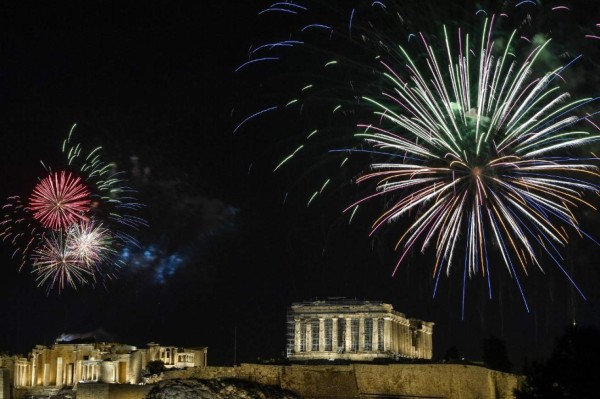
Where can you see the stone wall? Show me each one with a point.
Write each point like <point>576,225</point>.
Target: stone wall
<point>321,381</point>
<point>38,392</point>
<point>92,391</point>
<point>447,380</point>
<point>334,382</point>
<point>353,381</point>
<point>112,391</point>
<point>4,383</point>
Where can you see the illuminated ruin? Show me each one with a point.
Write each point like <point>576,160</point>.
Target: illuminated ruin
<point>67,364</point>
<point>342,329</point>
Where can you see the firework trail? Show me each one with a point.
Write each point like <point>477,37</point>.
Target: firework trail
<point>470,133</point>
<point>76,222</point>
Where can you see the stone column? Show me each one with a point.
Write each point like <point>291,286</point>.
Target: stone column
<point>419,344</point>
<point>70,374</point>
<point>413,344</point>
<point>59,372</point>
<point>34,361</point>
<point>375,339</point>
<point>387,334</point>
<point>309,336</point>
<point>321,334</point>
<point>18,377</point>
<point>361,334</point>
<point>395,336</point>
<point>348,343</point>
<point>334,334</point>
<point>430,343</point>
<point>46,374</point>
<point>405,350</point>
<point>22,374</point>
<point>297,335</point>
<point>78,370</point>
<point>410,349</point>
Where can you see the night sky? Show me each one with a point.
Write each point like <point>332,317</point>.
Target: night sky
<point>225,251</point>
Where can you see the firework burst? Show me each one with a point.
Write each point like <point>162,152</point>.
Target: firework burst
<point>471,138</point>
<point>91,243</point>
<point>56,263</point>
<point>76,223</point>
<point>60,200</point>
<point>485,155</point>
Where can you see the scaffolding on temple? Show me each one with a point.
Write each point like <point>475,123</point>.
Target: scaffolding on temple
<point>291,331</point>
<point>350,329</point>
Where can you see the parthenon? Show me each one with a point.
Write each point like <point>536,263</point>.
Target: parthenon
<point>353,330</point>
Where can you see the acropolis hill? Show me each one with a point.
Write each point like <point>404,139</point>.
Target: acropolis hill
<point>364,380</point>
<point>319,381</point>
<point>335,349</point>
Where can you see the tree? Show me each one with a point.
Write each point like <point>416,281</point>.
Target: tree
<point>495,355</point>
<point>570,372</point>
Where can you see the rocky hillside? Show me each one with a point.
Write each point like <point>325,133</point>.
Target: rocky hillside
<point>216,389</point>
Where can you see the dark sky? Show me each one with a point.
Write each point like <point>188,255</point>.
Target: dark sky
<point>223,255</point>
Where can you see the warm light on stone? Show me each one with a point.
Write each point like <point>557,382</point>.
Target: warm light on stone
<point>355,330</point>
<point>66,365</point>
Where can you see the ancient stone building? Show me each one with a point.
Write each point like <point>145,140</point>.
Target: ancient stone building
<point>67,364</point>
<point>355,331</point>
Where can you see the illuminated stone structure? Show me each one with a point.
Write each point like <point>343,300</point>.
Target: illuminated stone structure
<point>175,357</point>
<point>341,329</point>
<point>66,364</point>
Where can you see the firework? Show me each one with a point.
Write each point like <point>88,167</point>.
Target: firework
<point>76,223</point>
<point>60,200</point>
<point>56,264</point>
<point>490,166</point>
<point>471,138</point>
<point>90,243</point>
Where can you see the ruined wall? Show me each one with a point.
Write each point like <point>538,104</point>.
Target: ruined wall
<point>38,392</point>
<point>5,382</point>
<point>352,381</point>
<point>112,391</point>
<point>92,391</point>
<point>449,380</point>
<point>321,381</point>
<point>335,382</point>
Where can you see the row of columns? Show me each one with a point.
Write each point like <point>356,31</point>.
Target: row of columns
<point>361,334</point>
<point>90,372</point>
<point>20,377</point>
<point>26,374</point>
<point>329,335</point>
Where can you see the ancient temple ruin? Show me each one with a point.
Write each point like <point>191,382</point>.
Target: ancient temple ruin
<point>342,329</point>
<point>48,369</point>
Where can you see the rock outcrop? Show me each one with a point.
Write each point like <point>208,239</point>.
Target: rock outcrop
<point>216,389</point>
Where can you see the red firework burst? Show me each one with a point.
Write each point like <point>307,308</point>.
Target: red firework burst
<point>60,200</point>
